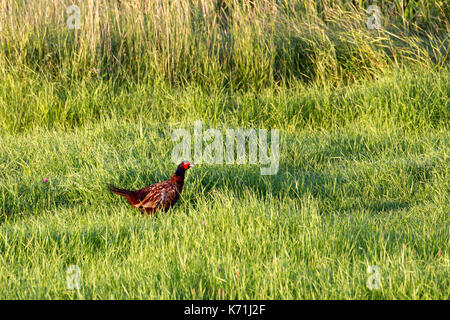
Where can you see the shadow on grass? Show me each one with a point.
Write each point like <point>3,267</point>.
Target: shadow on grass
<point>336,190</point>
<point>331,189</point>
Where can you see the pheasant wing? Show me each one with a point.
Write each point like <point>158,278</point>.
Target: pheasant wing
<point>157,195</point>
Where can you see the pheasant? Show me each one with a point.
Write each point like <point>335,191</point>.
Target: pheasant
<point>159,196</point>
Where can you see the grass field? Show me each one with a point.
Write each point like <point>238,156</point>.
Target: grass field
<point>364,167</point>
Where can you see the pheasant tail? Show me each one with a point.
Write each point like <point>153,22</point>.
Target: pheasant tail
<point>131,196</point>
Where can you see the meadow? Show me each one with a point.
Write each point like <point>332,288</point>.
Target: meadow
<point>363,178</point>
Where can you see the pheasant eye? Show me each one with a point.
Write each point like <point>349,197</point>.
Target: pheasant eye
<point>185,165</point>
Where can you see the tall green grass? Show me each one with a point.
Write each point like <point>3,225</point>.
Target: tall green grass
<point>364,131</point>
<point>343,200</point>
<point>407,99</point>
<point>222,43</point>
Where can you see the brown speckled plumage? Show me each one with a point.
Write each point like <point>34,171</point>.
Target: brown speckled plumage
<point>159,196</point>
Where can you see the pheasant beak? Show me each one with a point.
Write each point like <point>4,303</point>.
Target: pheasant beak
<point>191,165</point>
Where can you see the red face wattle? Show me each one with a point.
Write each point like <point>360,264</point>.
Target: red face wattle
<point>186,165</point>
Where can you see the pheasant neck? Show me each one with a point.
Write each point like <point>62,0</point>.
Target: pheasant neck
<point>179,175</point>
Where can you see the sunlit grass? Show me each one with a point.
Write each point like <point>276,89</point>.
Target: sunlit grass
<point>221,43</point>
<point>364,132</point>
<point>343,200</point>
